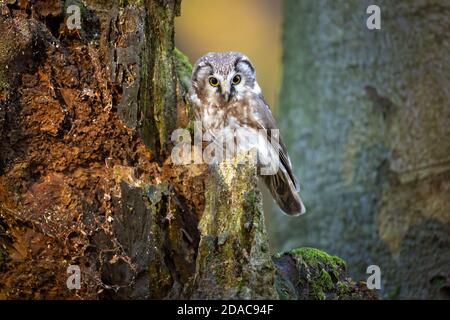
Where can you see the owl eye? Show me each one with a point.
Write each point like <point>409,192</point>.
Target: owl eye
<point>236,79</point>
<point>214,82</point>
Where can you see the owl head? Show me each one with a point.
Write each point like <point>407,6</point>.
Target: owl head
<point>223,77</point>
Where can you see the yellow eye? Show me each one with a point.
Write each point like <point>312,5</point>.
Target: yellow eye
<point>214,82</point>
<point>236,79</point>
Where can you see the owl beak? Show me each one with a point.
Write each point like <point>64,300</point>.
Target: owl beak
<point>227,96</point>
<point>227,92</point>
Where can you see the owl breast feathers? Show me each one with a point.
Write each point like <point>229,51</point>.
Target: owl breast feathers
<point>229,103</point>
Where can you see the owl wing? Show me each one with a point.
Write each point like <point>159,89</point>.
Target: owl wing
<point>264,119</point>
<point>283,185</point>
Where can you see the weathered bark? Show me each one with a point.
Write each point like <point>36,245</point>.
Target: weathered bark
<point>371,111</point>
<point>85,122</point>
<point>234,260</point>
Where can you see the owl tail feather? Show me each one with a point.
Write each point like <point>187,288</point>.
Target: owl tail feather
<point>285,193</point>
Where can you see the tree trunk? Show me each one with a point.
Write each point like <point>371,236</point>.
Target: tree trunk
<point>234,260</point>
<point>371,146</point>
<point>85,128</point>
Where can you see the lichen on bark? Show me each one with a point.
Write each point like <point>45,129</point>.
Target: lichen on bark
<point>158,98</point>
<point>233,260</point>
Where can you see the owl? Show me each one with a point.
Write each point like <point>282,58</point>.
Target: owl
<point>228,102</point>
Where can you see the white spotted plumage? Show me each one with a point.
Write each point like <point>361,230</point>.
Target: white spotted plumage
<point>229,103</point>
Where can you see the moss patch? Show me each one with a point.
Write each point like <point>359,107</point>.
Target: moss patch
<point>183,69</point>
<point>124,3</point>
<point>182,65</point>
<point>233,260</point>
<point>315,256</point>
<point>3,83</point>
<point>309,273</point>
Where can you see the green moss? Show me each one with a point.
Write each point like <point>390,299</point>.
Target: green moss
<point>321,268</point>
<point>314,256</point>
<point>78,3</point>
<point>191,127</point>
<point>239,285</point>
<point>251,201</point>
<point>251,198</point>
<point>183,70</point>
<point>321,283</point>
<point>343,289</point>
<point>124,3</point>
<point>233,236</point>
<point>321,295</point>
<point>3,83</point>
<point>394,294</point>
<point>317,275</point>
<point>182,65</point>
<point>158,99</point>
<point>324,280</point>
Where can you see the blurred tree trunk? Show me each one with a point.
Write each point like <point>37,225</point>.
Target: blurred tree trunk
<point>372,141</point>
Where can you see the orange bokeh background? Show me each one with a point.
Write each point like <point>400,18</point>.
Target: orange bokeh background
<point>252,27</point>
